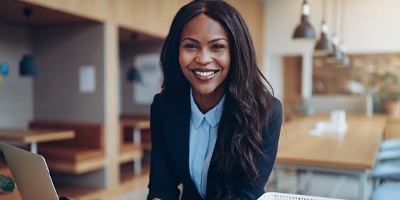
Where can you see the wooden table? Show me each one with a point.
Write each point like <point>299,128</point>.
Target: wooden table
<point>137,125</point>
<point>352,152</point>
<point>34,136</point>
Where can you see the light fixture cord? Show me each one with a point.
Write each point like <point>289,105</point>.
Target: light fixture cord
<point>334,14</point>
<point>342,17</point>
<point>27,13</point>
<point>324,10</point>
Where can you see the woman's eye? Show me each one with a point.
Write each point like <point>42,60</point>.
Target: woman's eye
<point>218,46</point>
<point>190,46</point>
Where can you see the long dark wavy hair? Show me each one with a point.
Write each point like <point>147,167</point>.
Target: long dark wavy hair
<point>248,96</point>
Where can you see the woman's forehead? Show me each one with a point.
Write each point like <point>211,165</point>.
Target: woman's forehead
<point>203,26</point>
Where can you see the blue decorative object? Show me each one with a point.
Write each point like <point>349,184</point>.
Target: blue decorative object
<point>134,75</point>
<point>28,66</point>
<point>4,71</point>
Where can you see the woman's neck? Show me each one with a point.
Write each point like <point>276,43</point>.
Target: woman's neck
<point>206,103</point>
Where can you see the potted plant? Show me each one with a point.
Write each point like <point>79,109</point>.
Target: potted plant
<point>6,183</point>
<point>388,91</point>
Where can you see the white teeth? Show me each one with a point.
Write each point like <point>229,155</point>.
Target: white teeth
<point>209,73</point>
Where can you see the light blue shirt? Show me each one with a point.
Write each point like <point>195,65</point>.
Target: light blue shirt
<point>203,135</point>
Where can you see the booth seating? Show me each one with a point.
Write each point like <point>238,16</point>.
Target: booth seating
<point>84,153</point>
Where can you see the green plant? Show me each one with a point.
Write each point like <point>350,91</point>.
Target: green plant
<point>388,86</point>
<point>6,183</point>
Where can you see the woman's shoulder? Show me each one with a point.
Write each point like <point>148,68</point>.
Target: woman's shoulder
<point>277,105</point>
<point>276,114</point>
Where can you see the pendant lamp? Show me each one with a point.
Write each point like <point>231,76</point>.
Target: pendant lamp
<point>134,75</point>
<point>336,55</point>
<point>304,30</point>
<point>4,71</point>
<point>323,46</point>
<point>27,65</point>
<point>342,46</point>
<point>345,58</point>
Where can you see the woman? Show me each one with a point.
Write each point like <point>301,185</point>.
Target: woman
<point>215,126</point>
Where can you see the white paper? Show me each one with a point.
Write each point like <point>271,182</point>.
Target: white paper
<point>87,79</point>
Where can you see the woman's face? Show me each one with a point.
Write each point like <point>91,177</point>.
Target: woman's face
<point>204,56</point>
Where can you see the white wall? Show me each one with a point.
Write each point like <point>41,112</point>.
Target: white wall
<point>369,26</point>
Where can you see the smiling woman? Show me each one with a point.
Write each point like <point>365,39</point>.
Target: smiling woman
<point>215,125</point>
<point>205,59</point>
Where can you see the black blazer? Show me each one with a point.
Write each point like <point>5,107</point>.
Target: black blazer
<point>169,165</point>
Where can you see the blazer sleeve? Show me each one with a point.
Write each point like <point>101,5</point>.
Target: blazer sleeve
<point>271,138</point>
<point>163,176</point>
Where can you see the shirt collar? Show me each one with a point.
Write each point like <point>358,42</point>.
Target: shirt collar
<point>212,116</point>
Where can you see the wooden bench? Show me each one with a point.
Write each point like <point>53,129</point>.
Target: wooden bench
<point>84,153</point>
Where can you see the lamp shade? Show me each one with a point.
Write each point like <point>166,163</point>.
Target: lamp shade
<point>304,29</point>
<point>323,46</point>
<point>134,75</point>
<point>28,66</point>
<point>4,71</point>
<point>336,55</point>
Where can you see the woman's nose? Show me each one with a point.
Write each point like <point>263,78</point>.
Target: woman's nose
<point>203,57</point>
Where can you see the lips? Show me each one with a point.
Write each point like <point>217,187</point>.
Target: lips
<point>204,72</point>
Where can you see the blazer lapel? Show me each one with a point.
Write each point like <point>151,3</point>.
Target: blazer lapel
<point>181,130</point>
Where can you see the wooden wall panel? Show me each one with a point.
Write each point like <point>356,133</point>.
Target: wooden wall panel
<point>153,17</point>
<point>253,13</point>
<point>95,10</point>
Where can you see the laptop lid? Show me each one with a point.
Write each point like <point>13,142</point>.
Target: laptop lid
<point>30,173</point>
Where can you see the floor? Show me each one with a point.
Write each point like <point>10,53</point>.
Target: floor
<point>135,187</point>
<point>324,185</point>
<point>132,186</point>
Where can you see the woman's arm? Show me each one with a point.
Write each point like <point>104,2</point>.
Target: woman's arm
<point>248,191</point>
<point>163,177</point>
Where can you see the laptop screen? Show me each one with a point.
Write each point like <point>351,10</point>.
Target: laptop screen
<point>30,173</point>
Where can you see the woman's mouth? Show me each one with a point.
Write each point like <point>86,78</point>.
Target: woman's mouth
<point>205,73</point>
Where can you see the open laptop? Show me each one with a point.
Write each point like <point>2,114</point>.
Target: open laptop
<point>30,173</point>
<point>287,196</point>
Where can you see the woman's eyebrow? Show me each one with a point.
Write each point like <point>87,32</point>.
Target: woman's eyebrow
<point>191,39</point>
<point>216,40</point>
<point>212,41</point>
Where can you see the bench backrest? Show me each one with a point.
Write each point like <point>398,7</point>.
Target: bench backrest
<point>86,134</point>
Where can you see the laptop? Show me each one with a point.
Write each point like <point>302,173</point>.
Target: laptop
<point>30,173</point>
<point>287,196</point>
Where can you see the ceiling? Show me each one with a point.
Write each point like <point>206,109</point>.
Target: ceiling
<point>11,13</point>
